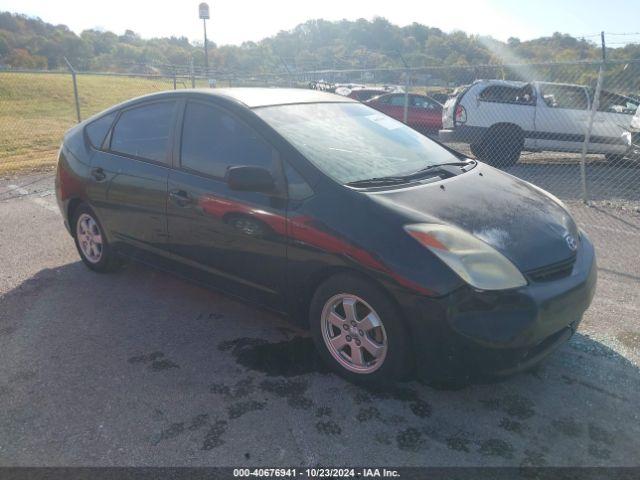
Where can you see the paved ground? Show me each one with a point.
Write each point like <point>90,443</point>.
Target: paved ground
<point>142,368</point>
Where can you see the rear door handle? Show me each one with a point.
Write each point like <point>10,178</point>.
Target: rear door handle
<point>98,174</point>
<point>180,197</point>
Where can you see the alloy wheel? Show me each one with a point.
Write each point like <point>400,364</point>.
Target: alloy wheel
<point>353,333</point>
<point>89,238</point>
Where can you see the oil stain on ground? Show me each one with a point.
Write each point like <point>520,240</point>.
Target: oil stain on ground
<point>494,447</point>
<point>155,361</point>
<point>293,357</point>
<point>213,438</point>
<point>291,390</point>
<point>513,405</point>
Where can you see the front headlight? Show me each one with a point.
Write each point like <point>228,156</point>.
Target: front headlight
<point>476,262</point>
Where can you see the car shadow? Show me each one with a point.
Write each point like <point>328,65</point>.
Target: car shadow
<point>181,375</point>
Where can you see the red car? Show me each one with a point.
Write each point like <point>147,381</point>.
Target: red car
<point>364,94</point>
<point>423,113</point>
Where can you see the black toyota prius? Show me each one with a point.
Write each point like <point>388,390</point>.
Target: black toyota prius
<point>398,254</point>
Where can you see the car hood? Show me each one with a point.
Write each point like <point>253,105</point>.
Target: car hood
<point>524,223</point>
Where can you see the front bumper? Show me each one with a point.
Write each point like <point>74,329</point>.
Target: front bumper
<point>470,331</point>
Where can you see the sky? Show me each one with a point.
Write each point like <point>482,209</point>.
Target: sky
<point>235,21</point>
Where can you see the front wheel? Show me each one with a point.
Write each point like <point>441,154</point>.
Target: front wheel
<point>91,242</point>
<point>359,332</point>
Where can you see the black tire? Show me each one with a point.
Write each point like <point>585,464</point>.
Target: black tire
<point>109,260</point>
<point>501,146</point>
<point>397,362</point>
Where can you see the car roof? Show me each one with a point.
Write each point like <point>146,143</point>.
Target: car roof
<point>246,97</point>
<point>262,97</point>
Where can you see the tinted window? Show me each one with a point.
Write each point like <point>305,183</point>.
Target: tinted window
<point>564,96</point>
<point>213,140</point>
<point>97,130</point>
<point>422,102</point>
<point>145,131</point>
<point>397,100</point>
<point>508,94</point>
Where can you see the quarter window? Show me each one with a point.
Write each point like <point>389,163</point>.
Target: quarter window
<point>144,132</point>
<point>97,130</point>
<point>213,140</point>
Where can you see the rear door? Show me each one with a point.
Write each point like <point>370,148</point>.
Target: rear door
<point>130,173</point>
<point>424,114</point>
<point>237,238</point>
<point>561,117</point>
<point>392,105</point>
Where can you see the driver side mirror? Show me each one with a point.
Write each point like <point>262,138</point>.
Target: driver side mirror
<point>246,178</point>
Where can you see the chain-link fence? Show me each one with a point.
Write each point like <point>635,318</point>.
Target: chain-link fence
<point>566,127</point>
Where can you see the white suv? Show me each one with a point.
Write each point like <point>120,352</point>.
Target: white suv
<point>501,118</point>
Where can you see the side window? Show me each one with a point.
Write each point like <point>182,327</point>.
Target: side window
<point>564,96</point>
<point>397,101</point>
<point>145,131</point>
<point>213,140</point>
<point>421,102</point>
<point>613,103</point>
<point>508,94</point>
<point>97,130</point>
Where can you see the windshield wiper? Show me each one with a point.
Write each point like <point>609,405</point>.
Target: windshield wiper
<point>395,179</point>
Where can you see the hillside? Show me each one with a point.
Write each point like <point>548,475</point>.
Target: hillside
<point>27,42</point>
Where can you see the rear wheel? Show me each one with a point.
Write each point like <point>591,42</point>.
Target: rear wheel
<point>91,242</point>
<point>358,331</point>
<point>500,146</point>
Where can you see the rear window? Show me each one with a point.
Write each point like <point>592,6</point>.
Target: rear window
<point>97,130</point>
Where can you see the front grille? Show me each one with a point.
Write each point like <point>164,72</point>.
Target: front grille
<point>552,272</point>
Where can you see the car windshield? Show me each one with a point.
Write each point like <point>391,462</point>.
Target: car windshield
<point>352,142</point>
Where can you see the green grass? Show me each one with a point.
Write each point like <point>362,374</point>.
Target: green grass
<point>36,110</point>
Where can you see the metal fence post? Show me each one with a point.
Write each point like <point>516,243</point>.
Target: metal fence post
<point>75,88</point>
<point>407,83</point>
<point>192,74</point>
<point>175,82</point>
<point>595,103</point>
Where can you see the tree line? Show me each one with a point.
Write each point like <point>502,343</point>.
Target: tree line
<point>27,42</point>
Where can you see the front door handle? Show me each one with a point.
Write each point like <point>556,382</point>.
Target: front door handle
<point>98,174</point>
<point>180,197</point>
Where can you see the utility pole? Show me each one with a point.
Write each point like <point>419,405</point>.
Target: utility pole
<point>203,11</point>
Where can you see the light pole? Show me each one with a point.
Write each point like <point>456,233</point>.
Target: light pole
<point>203,10</point>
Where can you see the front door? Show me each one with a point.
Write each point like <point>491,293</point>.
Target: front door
<point>237,238</point>
<point>561,117</point>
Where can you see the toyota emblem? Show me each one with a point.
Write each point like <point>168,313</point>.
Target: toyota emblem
<point>572,243</point>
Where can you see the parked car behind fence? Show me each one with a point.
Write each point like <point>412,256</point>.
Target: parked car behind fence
<point>500,119</point>
<point>424,114</point>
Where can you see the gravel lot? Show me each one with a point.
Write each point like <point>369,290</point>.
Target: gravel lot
<point>143,368</point>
